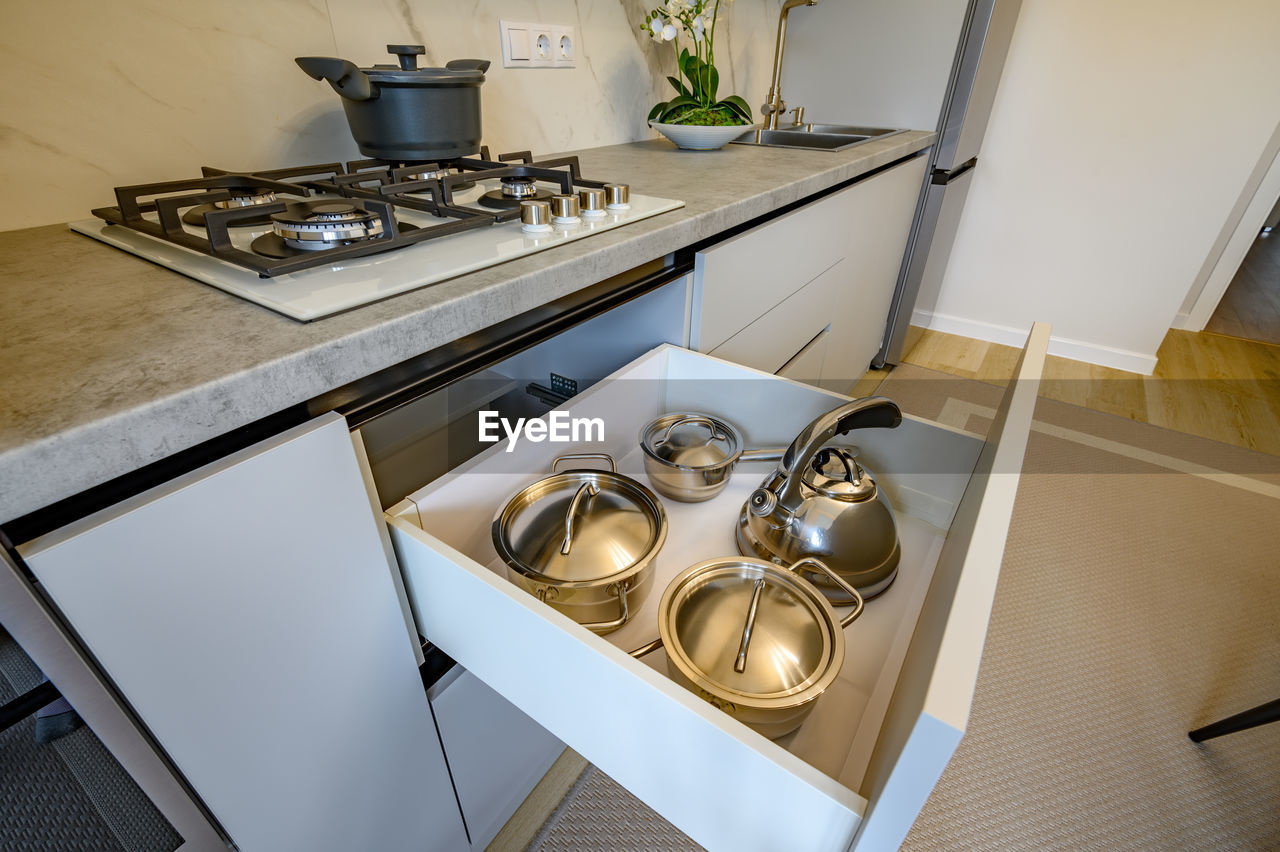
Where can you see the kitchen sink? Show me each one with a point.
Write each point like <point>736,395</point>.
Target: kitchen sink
<point>815,137</point>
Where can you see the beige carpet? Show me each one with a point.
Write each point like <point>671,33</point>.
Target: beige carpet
<point>1139,598</point>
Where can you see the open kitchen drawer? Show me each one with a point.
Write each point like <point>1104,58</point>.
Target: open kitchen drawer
<point>860,768</point>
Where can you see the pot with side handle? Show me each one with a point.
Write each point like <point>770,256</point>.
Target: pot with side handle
<point>754,639</point>
<point>689,456</point>
<point>403,112</point>
<point>583,541</point>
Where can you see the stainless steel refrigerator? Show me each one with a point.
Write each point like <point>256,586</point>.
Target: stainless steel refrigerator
<point>975,74</point>
<point>915,64</point>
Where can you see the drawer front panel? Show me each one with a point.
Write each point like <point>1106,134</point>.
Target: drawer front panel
<point>721,783</point>
<point>807,365</point>
<point>739,280</point>
<point>778,336</point>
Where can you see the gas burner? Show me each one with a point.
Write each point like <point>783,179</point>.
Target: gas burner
<point>312,226</point>
<point>241,196</point>
<point>513,191</point>
<point>432,171</point>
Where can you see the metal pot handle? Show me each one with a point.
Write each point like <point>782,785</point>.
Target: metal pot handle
<point>712,426</point>
<point>587,491</point>
<point>613,467</point>
<point>839,581</point>
<point>772,454</point>
<point>606,626</point>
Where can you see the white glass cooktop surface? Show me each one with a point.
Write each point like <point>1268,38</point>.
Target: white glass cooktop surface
<point>322,291</point>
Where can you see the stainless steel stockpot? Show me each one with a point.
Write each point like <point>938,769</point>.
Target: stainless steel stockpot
<point>689,456</point>
<point>583,541</point>
<point>754,639</point>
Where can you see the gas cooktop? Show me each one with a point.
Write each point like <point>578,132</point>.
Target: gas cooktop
<point>311,241</point>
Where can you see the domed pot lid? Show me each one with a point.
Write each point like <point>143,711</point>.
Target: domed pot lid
<point>580,527</point>
<point>795,646</point>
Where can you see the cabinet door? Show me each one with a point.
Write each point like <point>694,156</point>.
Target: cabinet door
<point>497,754</point>
<point>247,613</point>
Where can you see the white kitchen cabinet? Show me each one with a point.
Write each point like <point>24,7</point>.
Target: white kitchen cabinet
<point>858,771</point>
<point>839,255</point>
<point>250,617</point>
<point>497,754</point>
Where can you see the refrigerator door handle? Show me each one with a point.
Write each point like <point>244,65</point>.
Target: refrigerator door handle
<point>942,177</point>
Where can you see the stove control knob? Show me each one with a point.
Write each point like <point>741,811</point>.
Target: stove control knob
<point>617,196</point>
<point>592,202</point>
<point>564,209</point>
<point>535,216</point>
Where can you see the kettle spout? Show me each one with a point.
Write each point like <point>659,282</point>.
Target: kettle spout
<point>345,78</point>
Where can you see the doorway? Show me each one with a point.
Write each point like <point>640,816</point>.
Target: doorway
<point>1250,307</point>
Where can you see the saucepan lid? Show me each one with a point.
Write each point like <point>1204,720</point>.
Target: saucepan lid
<point>579,527</point>
<point>752,632</point>
<point>693,441</point>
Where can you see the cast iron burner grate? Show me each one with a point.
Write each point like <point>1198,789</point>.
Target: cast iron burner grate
<point>200,214</point>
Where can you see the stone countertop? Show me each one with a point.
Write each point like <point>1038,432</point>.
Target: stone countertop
<point>109,362</point>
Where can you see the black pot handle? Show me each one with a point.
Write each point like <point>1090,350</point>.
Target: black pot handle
<point>481,65</point>
<point>345,78</point>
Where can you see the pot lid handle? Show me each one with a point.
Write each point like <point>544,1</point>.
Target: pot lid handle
<point>407,54</point>
<point>587,491</point>
<point>740,664</point>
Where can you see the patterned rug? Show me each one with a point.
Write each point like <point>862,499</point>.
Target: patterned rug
<point>69,795</point>
<point>1139,598</point>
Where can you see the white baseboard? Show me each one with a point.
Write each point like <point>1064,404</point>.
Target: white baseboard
<point>1063,347</point>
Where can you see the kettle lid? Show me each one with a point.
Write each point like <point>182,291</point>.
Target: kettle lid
<point>835,472</point>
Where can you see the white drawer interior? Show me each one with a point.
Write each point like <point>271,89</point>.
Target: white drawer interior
<point>463,602</point>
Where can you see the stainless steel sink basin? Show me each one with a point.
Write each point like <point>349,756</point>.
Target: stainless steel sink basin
<point>815,137</point>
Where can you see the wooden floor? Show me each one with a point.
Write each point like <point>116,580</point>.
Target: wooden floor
<point>1251,306</point>
<point>1211,385</point>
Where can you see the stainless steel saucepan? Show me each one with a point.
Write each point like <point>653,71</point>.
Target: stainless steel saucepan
<point>754,639</point>
<point>583,541</point>
<point>689,456</point>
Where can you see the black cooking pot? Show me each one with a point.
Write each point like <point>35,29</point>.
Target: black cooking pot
<point>407,112</point>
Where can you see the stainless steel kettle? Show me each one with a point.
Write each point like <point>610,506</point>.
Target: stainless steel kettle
<point>822,503</point>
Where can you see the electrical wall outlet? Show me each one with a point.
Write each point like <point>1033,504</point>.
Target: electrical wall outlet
<point>538,45</point>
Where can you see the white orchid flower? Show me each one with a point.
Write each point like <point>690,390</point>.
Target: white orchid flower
<point>699,28</point>
<point>669,32</point>
<point>655,28</point>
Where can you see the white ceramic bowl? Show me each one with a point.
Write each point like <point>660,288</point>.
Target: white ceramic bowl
<point>698,138</point>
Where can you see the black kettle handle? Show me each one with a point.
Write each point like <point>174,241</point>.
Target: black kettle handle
<point>883,414</point>
<point>865,413</point>
<point>345,78</point>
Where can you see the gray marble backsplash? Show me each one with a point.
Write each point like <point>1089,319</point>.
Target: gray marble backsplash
<point>150,90</point>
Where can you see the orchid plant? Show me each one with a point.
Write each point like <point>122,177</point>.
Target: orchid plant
<point>696,78</point>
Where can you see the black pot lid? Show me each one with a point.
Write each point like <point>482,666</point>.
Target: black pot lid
<point>458,72</point>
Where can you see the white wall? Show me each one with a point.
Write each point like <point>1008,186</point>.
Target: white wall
<point>878,63</point>
<point>1120,140</point>
<point>105,94</point>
